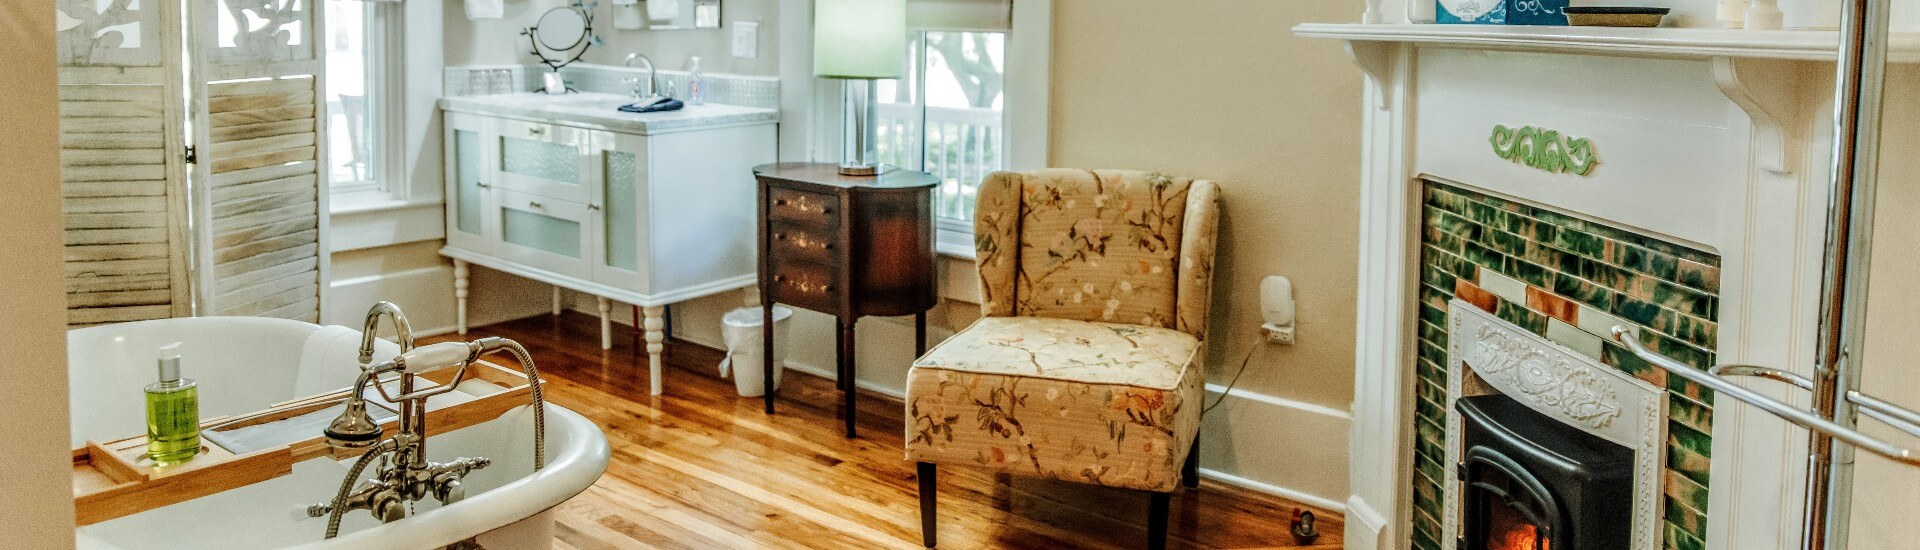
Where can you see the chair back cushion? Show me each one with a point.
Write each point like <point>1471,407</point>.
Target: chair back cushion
<point>1099,245</point>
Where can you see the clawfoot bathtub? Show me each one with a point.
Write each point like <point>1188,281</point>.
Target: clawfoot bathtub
<point>247,364</point>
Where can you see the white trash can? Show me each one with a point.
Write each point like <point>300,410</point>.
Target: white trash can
<point>741,329</point>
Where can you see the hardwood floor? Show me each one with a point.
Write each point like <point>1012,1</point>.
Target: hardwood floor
<point>701,467</point>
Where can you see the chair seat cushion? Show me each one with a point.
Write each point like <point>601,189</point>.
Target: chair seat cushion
<point>1101,403</point>
<point>1061,349</point>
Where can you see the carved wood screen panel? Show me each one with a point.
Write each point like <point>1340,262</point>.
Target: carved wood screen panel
<point>123,161</point>
<point>258,93</point>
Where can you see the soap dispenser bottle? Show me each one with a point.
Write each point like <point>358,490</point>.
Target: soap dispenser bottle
<point>696,83</point>
<point>173,412</point>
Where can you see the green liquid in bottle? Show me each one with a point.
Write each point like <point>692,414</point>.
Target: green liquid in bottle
<point>173,422</point>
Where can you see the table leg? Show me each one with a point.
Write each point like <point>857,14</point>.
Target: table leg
<point>656,338</point>
<point>850,392</point>
<point>460,274</point>
<point>919,334</point>
<point>766,352</point>
<point>839,356</point>
<point>606,323</point>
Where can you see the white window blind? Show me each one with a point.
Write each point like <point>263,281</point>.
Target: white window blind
<point>960,15</point>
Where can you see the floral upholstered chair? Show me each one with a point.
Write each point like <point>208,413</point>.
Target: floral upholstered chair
<point>1086,364</point>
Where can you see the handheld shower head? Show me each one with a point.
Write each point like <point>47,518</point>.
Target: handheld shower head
<point>354,428</point>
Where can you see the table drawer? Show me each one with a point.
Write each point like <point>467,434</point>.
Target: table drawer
<point>815,209</point>
<point>801,242</point>
<point>805,284</point>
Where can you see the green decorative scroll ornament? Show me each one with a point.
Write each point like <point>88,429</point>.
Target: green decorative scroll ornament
<point>1544,149</point>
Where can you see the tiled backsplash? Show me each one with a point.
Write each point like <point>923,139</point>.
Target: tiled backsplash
<point>1569,280</point>
<point>728,89</point>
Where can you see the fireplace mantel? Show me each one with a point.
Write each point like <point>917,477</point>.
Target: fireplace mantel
<point>1713,139</point>
<point>1903,47</point>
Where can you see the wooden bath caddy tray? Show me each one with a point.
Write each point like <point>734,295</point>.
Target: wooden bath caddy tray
<point>115,479</point>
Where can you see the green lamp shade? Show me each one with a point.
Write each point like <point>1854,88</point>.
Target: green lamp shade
<point>859,38</point>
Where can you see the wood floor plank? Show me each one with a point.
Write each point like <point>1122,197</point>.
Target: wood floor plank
<point>702,467</point>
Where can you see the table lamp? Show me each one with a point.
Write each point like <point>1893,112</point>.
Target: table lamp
<point>859,41</point>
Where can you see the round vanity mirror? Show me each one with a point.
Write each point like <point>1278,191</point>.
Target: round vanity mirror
<point>561,28</point>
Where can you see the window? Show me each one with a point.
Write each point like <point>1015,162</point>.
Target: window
<point>947,116</point>
<point>355,100</point>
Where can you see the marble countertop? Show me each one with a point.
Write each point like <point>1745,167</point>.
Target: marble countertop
<point>601,111</point>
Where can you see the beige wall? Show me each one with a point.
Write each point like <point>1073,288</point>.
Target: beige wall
<point>37,487</point>
<point>496,41</point>
<point>1886,493</point>
<point>1222,90</point>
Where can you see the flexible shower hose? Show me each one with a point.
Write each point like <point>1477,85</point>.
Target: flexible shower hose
<point>339,508</point>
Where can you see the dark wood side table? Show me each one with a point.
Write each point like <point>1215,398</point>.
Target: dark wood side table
<point>849,246</point>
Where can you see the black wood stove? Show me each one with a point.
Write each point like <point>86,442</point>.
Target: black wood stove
<point>1534,483</point>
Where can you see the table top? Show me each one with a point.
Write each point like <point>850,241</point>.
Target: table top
<point>828,174</point>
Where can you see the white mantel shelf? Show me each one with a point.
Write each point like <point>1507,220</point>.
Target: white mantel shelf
<point>1650,42</point>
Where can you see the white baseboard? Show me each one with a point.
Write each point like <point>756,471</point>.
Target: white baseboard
<point>425,293</point>
<point>1272,444</point>
<point>1276,490</point>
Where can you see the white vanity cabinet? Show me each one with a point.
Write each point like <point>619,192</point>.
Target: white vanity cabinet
<point>633,213</point>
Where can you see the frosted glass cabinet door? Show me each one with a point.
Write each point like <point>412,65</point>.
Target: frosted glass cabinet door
<point>468,197</point>
<point>546,233</point>
<point>543,159</point>
<point>622,215</point>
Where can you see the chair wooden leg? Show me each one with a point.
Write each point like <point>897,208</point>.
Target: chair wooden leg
<point>929,512</point>
<point>1190,473</point>
<point>1157,520</point>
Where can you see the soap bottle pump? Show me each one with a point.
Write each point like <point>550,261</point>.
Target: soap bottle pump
<point>173,412</point>
<point>696,83</point>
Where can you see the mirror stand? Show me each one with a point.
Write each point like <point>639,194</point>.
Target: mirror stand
<point>560,38</point>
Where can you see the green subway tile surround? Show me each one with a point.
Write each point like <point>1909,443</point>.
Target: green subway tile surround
<point>1569,280</point>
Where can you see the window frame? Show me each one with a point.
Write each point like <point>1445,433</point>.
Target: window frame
<point>406,206</point>
<point>386,102</point>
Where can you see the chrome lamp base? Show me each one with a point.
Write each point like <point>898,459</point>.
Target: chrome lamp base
<point>859,120</point>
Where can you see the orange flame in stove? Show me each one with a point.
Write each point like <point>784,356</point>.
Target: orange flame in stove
<point>1519,537</point>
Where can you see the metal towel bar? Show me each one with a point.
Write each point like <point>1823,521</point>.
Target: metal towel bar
<point>1713,379</point>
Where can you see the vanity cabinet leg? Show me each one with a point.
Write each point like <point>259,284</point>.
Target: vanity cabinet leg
<point>656,338</point>
<point>606,323</point>
<point>556,301</point>
<point>460,272</point>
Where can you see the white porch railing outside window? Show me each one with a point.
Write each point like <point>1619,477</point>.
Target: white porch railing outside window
<point>960,145</point>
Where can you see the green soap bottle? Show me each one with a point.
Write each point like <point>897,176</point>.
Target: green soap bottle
<point>173,413</point>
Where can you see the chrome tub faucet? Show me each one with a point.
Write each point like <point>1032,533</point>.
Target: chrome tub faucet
<point>405,475</point>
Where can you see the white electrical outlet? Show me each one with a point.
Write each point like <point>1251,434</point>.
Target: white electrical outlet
<point>746,39</point>
<point>1278,334</point>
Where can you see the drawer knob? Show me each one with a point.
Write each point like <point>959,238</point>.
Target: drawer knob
<point>826,210</point>
<point>536,130</point>
<point>535,204</point>
<point>780,278</point>
<point>780,202</point>
<point>780,236</point>
<point>483,185</point>
<point>593,207</point>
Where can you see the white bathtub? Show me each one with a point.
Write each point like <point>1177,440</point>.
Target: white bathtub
<point>246,364</point>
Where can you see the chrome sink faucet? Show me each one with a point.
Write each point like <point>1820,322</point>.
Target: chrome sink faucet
<point>405,475</point>
<point>639,84</point>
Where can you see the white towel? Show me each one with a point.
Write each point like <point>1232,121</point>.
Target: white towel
<point>664,11</point>
<point>486,9</point>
